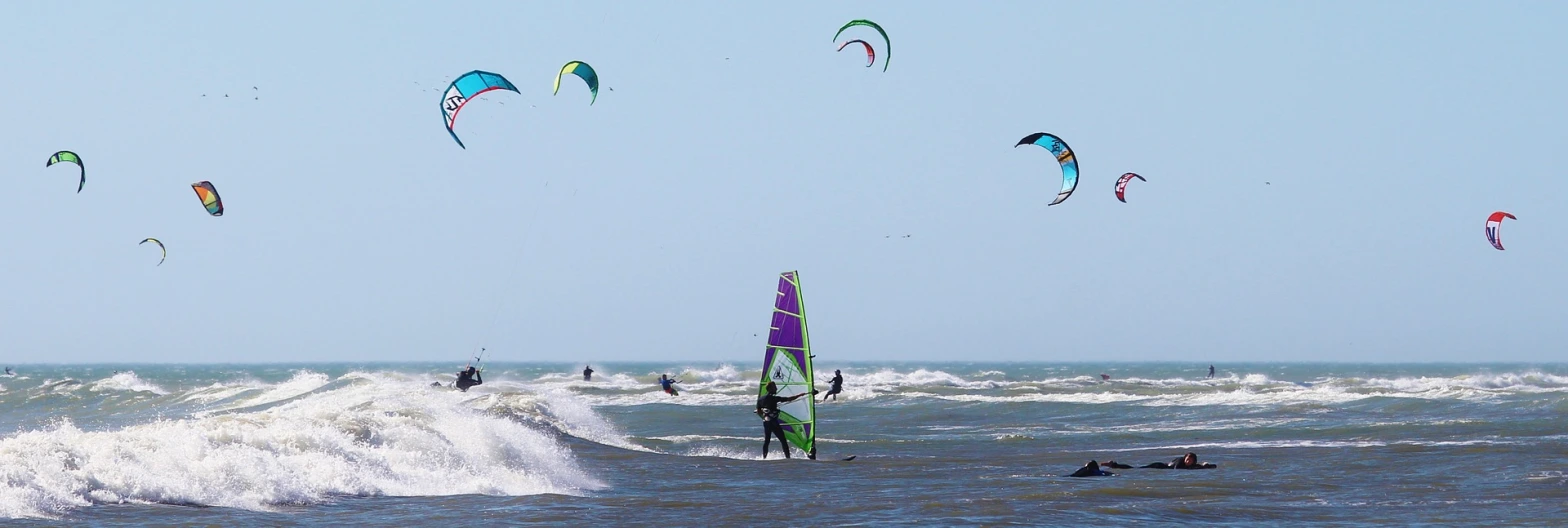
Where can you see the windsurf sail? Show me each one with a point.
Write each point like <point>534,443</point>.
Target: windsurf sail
<point>787,363</point>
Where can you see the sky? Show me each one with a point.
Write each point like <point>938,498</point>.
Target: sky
<point>1318,178</point>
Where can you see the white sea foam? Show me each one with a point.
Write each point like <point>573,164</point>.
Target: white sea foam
<point>126,381</point>
<point>726,385</point>
<point>302,382</point>
<point>370,436</point>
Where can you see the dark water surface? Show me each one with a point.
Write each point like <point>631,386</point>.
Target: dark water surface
<point>936,444</point>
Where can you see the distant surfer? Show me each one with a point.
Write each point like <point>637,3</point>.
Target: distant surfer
<point>1211,371</point>
<point>1105,377</point>
<point>768,410</point>
<point>668,384</point>
<point>836,385</point>
<point>1092,469</point>
<point>9,372</point>
<point>1187,461</point>
<point>468,378</point>
<point>587,373</point>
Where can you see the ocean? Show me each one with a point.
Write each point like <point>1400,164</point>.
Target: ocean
<point>935,444</point>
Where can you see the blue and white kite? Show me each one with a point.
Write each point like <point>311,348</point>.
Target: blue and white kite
<point>465,88</point>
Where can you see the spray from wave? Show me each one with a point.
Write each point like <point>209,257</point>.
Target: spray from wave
<point>369,435</point>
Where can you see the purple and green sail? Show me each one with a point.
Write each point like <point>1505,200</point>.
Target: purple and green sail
<point>787,363</point>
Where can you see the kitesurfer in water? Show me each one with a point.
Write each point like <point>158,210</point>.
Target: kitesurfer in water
<point>587,373</point>
<point>1211,371</point>
<point>1092,469</point>
<point>668,384</point>
<point>468,378</point>
<point>1187,461</point>
<point>9,372</point>
<point>768,409</point>
<point>836,385</point>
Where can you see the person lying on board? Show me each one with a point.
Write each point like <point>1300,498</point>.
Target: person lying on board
<point>1183,462</point>
<point>1092,469</point>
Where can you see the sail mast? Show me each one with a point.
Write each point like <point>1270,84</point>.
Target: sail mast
<point>811,373</point>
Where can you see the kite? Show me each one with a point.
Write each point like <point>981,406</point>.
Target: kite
<point>1493,223</point>
<point>466,87</point>
<point>887,46</point>
<point>1064,156</point>
<point>871,54</point>
<point>1121,185</point>
<point>209,197</point>
<point>66,156</point>
<point>160,247</point>
<point>580,69</point>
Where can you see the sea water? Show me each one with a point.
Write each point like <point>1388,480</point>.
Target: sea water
<point>935,444</point>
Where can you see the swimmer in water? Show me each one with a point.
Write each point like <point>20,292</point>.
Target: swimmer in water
<point>1092,469</point>
<point>1187,461</point>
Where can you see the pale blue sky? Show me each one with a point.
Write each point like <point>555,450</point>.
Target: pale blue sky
<point>738,144</point>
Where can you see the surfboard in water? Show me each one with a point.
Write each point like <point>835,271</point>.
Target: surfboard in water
<point>787,363</point>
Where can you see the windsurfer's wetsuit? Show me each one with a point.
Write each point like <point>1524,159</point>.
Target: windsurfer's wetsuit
<point>768,408</point>
<point>1092,469</point>
<point>469,378</point>
<point>587,374</point>
<point>837,386</point>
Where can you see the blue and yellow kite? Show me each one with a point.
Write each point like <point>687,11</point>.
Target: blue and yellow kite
<point>580,69</point>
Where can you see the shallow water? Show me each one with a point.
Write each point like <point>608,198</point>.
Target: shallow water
<point>936,444</point>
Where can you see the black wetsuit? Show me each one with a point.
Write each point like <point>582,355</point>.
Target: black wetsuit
<point>768,406</point>
<point>1092,469</point>
<point>1177,464</point>
<point>469,378</point>
<point>587,374</point>
<point>836,387</point>
<point>1211,371</point>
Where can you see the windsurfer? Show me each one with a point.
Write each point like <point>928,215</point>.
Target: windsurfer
<point>768,409</point>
